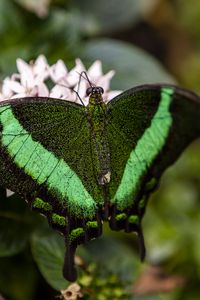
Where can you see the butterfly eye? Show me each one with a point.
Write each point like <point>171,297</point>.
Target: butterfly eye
<point>89,91</point>
<point>101,90</point>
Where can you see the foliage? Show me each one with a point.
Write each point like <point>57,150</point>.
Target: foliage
<point>32,253</point>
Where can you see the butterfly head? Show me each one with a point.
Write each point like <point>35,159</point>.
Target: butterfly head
<point>95,95</point>
<point>94,90</point>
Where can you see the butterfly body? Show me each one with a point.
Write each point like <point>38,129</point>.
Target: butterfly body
<point>82,165</point>
<point>97,118</point>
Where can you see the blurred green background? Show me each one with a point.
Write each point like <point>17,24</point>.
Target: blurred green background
<point>145,42</point>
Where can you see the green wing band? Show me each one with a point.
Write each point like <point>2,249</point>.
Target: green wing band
<point>42,166</point>
<point>147,148</point>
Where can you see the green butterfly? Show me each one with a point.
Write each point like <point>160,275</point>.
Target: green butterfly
<point>82,165</point>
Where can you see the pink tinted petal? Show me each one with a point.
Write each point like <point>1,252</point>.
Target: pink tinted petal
<point>104,81</point>
<point>60,92</point>
<point>16,87</point>
<point>43,90</point>
<point>22,66</point>
<point>41,68</point>
<point>71,96</point>
<point>42,76</point>
<point>56,92</point>
<point>27,78</point>
<point>95,70</point>
<point>110,95</point>
<point>79,64</point>
<point>5,97</point>
<point>58,71</point>
<point>6,88</point>
<point>40,64</point>
<point>20,95</point>
<point>81,88</point>
<point>15,76</point>
<point>74,74</point>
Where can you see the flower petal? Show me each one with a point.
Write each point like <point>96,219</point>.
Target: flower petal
<point>26,72</point>
<point>58,71</point>
<point>95,70</point>
<point>42,90</point>
<point>14,86</point>
<point>74,75</point>
<point>104,81</point>
<point>110,95</point>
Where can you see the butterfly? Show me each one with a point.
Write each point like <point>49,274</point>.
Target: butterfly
<point>81,165</point>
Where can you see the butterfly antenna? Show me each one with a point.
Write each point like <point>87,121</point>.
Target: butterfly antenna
<point>79,82</point>
<point>86,77</point>
<point>77,94</point>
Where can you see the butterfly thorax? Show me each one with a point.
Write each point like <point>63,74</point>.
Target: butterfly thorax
<point>97,117</point>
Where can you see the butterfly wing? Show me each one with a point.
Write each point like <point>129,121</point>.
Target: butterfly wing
<point>148,127</point>
<point>46,157</point>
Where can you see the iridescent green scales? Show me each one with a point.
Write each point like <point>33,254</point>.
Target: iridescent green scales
<point>141,158</point>
<point>43,165</point>
<point>82,165</point>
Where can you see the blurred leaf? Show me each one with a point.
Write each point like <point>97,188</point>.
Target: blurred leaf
<point>107,252</point>
<point>150,297</point>
<point>17,278</point>
<point>132,65</point>
<point>16,224</point>
<point>189,14</point>
<point>172,218</point>
<point>14,234</point>
<point>105,16</point>
<point>9,17</point>
<point>48,251</point>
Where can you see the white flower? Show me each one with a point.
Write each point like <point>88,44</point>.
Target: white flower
<point>30,81</point>
<point>72,292</point>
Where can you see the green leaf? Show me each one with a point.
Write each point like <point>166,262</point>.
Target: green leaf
<point>48,251</point>
<point>16,223</point>
<point>133,66</point>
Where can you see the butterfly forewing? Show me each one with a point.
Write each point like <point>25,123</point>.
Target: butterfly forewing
<point>148,128</point>
<point>43,139</point>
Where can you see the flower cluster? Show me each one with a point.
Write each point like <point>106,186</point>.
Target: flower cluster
<point>31,81</point>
